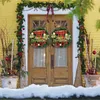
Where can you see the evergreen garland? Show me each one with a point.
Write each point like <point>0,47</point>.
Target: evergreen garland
<point>60,5</point>
<point>80,43</point>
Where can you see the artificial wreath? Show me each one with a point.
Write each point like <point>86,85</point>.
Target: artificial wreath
<point>61,37</point>
<point>39,37</point>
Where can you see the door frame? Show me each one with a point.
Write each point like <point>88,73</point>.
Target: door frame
<point>75,32</point>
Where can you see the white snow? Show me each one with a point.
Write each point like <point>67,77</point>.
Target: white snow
<point>52,92</point>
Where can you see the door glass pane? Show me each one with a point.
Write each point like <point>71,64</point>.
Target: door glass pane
<point>39,57</point>
<point>60,57</point>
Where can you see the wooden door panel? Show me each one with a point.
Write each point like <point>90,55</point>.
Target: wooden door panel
<point>60,81</point>
<point>50,73</point>
<point>60,76</point>
<point>39,76</point>
<point>38,80</point>
<point>60,73</point>
<point>39,72</point>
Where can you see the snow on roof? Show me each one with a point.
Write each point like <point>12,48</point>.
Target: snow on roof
<point>51,92</point>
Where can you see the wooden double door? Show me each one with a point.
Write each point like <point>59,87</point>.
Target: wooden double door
<point>50,65</point>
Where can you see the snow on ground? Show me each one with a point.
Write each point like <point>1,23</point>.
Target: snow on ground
<point>52,92</point>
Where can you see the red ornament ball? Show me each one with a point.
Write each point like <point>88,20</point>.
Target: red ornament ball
<point>94,52</point>
<point>8,59</point>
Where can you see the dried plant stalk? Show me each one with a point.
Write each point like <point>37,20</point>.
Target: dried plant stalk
<point>4,41</point>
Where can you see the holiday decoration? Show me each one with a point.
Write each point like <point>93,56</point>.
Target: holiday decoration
<point>9,60</point>
<point>39,37</point>
<point>80,43</point>
<point>50,8</point>
<point>94,52</point>
<point>91,71</point>
<point>20,20</point>
<point>91,68</point>
<point>60,5</point>
<point>61,37</point>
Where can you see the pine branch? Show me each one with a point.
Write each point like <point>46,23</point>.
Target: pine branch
<point>81,7</point>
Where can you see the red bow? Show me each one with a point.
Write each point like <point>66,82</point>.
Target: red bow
<point>49,7</point>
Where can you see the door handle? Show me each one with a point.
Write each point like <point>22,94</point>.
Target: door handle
<point>52,61</point>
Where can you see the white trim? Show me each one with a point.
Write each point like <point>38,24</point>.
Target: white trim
<point>75,31</point>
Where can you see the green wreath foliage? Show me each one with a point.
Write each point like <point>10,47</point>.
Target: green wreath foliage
<point>61,37</point>
<point>39,38</point>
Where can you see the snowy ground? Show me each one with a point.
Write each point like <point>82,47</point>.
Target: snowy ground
<point>51,92</point>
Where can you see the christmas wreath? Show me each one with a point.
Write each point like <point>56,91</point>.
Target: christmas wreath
<point>39,37</point>
<point>61,37</point>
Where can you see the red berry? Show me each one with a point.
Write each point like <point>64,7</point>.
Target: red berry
<point>23,28</point>
<point>94,52</point>
<point>8,59</point>
<point>20,17</point>
<point>20,32</point>
<point>21,40</point>
<point>20,54</point>
<point>78,21</point>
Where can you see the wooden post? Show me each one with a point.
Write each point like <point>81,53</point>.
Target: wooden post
<point>12,54</point>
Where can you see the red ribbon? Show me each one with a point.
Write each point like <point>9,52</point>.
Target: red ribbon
<point>50,7</point>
